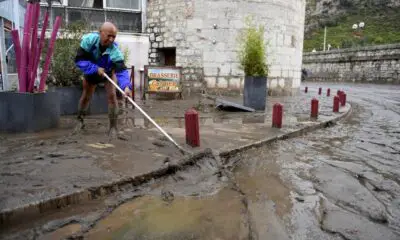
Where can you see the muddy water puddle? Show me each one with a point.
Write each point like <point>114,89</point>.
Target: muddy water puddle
<point>215,217</point>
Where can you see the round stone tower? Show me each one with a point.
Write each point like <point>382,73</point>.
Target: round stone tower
<point>201,37</point>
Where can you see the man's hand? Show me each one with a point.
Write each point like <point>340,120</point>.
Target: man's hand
<point>100,71</point>
<point>128,92</point>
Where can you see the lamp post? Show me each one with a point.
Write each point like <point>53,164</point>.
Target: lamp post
<point>329,45</point>
<point>324,38</point>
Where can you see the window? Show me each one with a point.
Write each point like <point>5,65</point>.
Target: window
<point>91,17</point>
<point>123,4</point>
<point>53,2</point>
<point>119,4</point>
<point>86,3</point>
<point>23,3</point>
<point>125,21</point>
<point>57,11</point>
<point>11,58</point>
<point>124,13</point>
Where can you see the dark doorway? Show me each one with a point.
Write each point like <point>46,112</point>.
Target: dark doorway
<point>167,56</point>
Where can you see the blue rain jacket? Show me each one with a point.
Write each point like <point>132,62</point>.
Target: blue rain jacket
<point>89,59</point>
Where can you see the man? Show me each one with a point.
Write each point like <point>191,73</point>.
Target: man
<point>98,54</point>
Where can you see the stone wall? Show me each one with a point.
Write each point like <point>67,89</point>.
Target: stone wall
<point>375,64</point>
<point>204,33</point>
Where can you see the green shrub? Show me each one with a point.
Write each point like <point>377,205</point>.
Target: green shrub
<point>63,69</point>
<point>252,54</point>
<point>378,40</point>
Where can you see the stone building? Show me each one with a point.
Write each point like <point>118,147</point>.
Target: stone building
<point>201,37</point>
<point>198,35</point>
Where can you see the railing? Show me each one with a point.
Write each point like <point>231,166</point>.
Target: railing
<point>126,21</point>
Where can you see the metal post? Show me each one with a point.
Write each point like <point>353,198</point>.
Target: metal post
<point>4,73</point>
<point>141,83</point>
<point>324,38</point>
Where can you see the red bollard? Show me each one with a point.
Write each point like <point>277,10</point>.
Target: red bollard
<point>133,82</point>
<point>192,128</point>
<point>343,99</point>
<point>328,92</point>
<point>314,108</point>
<point>277,114</point>
<point>319,91</point>
<point>336,101</point>
<point>341,93</point>
<point>306,90</point>
<point>133,87</point>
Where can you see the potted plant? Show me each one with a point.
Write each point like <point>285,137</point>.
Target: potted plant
<point>31,108</point>
<point>252,57</point>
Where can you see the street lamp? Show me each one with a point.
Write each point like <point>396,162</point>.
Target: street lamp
<point>324,38</point>
<point>357,28</point>
<point>360,25</point>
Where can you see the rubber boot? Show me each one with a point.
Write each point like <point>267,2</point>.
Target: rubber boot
<point>121,107</point>
<point>82,112</point>
<point>113,118</point>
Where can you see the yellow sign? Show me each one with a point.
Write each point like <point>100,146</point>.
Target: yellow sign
<point>163,79</point>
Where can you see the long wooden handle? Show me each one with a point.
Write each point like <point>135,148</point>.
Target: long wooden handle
<point>183,151</point>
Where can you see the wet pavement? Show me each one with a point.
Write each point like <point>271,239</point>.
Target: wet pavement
<point>54,163</point>
<point>335,183</point>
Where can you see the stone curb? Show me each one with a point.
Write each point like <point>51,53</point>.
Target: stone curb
<point>295,133</point>
<point>34,210</point>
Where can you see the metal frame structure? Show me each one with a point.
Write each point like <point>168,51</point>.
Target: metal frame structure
<point>4,73</point>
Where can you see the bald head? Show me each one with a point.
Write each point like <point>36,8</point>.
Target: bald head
<point>108,26</point>
<point>108,33</point>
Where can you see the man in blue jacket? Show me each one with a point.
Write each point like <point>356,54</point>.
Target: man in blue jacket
<point>99,54</point>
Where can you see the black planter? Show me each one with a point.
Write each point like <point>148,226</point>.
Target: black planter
<point>69,99</point>
<point>255,92</point>
<point>28,112</point>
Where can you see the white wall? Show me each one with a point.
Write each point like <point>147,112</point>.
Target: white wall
<point>283,22</point>
<point>138,46</point>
